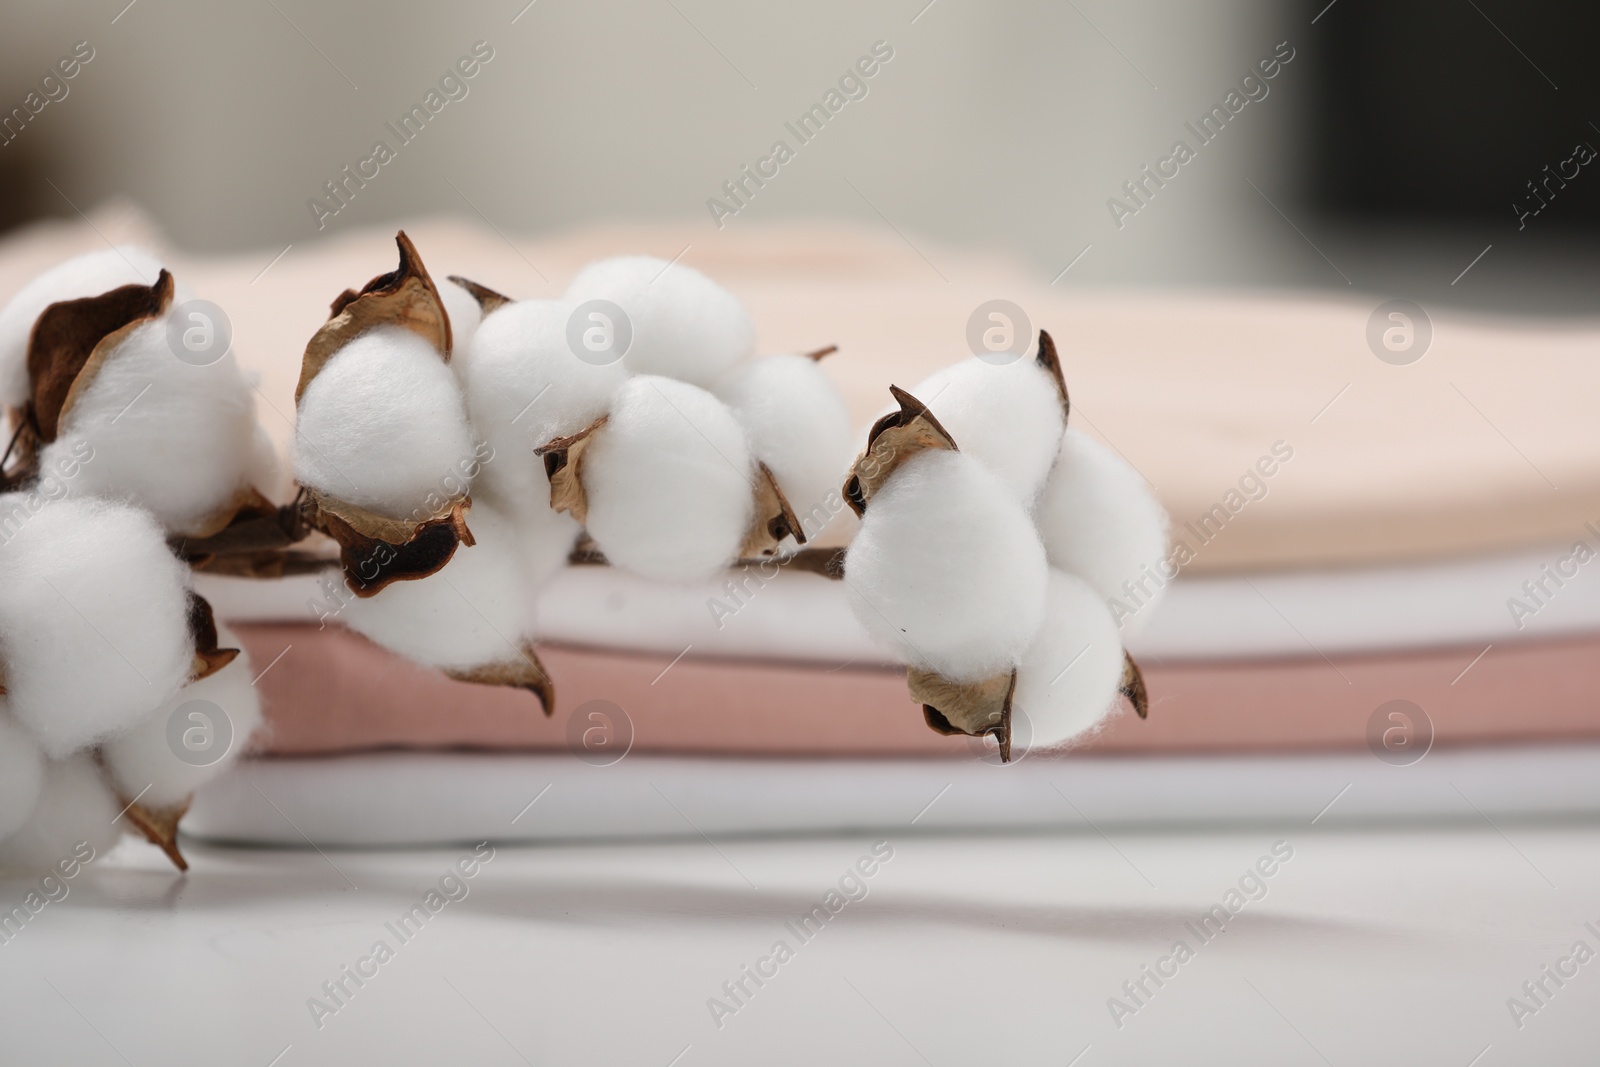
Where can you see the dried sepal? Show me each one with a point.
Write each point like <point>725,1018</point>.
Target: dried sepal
<point>405,297</point>
<point>526,671</point>
<point>488,300</point>
<point>1051,362</point>
<point>816,355</point>
<point>159,826</point>
<point>563,465</point>
<point>252,541</point>
<point>1132,687</point>
<point>971,708</point>
<point>773,519</point>
<point>376,551</point>
<point>71,341</point>
<point>826,562</point>
<point>208,657</point>
<point>895,438</point>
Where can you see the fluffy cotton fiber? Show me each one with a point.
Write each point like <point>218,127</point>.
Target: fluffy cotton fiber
<point>947,569</point>
<point>74,819</point>
<point>142,761</point>
<point>1068,679</point>
<point>93,618</point>
<point>524,388</point>
<point>383,425</point>
<point>685,325</point>
<point>1099,520</point>
<point>1009,416</point>
<point>465,315</point>
<point>21,773</point>
<point>477,610</point>
<point>798,425</point>
<point>177,439</point>
<point>669,481</point>
<point>86,275</point>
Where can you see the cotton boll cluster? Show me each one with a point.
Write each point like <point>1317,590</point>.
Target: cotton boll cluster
<point>1068,677</point>
<point>143,762</point>
<point>93,620</point>
<point>1100,521</point>
<point>684,325</point>
<point>797,424</point>
<point>524,387</point>
<point>668,481</point>
<point>1009,416</point>
<point>383,424</point>
<point>947,568</point>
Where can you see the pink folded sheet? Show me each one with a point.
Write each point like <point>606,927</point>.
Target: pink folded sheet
<point>333,691</point>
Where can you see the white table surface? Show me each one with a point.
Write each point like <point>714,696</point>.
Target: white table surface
<point>1385,946</point>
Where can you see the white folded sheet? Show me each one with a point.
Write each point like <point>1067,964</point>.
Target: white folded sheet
<point>805,617</point>
<point>415,799</point>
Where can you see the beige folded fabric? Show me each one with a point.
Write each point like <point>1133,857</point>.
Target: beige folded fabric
<point>1488,442</point>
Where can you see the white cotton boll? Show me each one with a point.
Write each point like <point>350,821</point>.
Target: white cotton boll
<point>94,626</point>
<point>1099,520</point>
<point>669,481</point>
<point>1068,680</point>
<point>177,439</point>
<point>1007,415</point>
<point>524,388</point>
<point>86,275</point>
<point>21,773</point>
<point>685,325</point>
<point>142,760</point>
<point>947,568</point>
<point>477,610</point>
<point>798,425</point>
<point>465,314</point>
<point>383,425</point>
<point>73,822</point>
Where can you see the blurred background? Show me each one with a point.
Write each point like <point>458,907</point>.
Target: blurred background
<point>1396,145</point>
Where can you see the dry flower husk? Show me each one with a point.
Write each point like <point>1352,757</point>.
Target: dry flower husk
<point>526,671</point>
<point>894,439</point>
<point>563,465</point>
<point>208,657</point>
<point>774,519</point>
<point>1132,687</point>
<point>971,708</point>
<point>816,355</point>
<point>488,300</point>
<point>404,297</point>
<point>159,826</point>
<point>1051,362</point>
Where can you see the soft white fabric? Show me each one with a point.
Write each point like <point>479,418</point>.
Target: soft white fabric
<point>685,325</point>
<point>142,760</point>
<point>1099,520</point>
<point>477,610</point>
<point>383,426</point>
<point>93,618</point>
<point>21,772</point>
<point>1007,415</point>
<point>947,569</point>
<point>74,818</point>
<point>668,480</point>
<point>1067,682</point>
<point>408,798</point>
<point>798,425</point>
<point>87,275</point>
<point>177,439</point>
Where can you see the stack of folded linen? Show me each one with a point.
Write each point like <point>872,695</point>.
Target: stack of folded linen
<point>1386,604</point>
